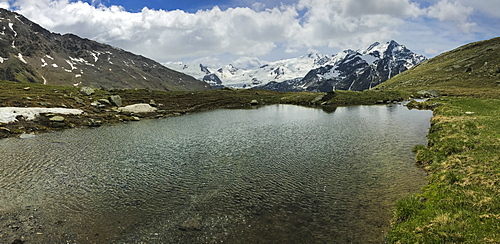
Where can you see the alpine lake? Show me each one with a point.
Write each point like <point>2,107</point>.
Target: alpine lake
<point>274,174</point>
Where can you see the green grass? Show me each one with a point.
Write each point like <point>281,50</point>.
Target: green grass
<point>470,70</point>
<point>460,204</point>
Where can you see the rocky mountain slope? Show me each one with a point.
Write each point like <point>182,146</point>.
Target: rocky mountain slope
<point>474,67</point>
<point>348,70</point>
<point>31,53</point>
<point>354,70</point>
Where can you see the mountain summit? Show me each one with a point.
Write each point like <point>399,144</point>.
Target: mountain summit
<point>31,53</point>
<point>355,70</point>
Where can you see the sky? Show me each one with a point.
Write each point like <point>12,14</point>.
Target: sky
<point>247,33</point>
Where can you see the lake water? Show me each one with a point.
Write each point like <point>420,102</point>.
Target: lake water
<point>277,174</point>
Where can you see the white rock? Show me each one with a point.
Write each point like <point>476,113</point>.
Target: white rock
<point>138,108</point>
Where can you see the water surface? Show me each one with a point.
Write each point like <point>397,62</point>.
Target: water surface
<point>277,174</point>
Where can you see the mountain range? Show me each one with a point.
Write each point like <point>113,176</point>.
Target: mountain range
<point>31,53</point>
<point>348,70</point>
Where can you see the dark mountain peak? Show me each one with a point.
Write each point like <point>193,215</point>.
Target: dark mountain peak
<point>204,69</point>
<point>356,70</point>
<point>375,44</point>
<point>30,53</point>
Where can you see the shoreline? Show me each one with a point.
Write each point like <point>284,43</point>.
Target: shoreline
<point>99,109</point>
<point>460,201</point>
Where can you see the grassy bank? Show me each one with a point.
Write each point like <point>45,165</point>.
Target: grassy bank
<point>460,204</point>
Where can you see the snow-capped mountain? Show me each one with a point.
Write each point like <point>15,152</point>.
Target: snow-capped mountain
<point>278,71</point>
<point>348,70</point>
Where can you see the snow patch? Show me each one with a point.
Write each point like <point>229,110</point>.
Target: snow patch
<point>3,60</point>
<point>332,73</point>
<point>49,57</point>
<point>20,57</point>
<point>81,60</point>
<point>55,65</point>
<point>71,64</point>
<point>95,57</point>
<point>9,114</point>
<point>11,25</point>
<point>44,63</point>
<point>369,59</point>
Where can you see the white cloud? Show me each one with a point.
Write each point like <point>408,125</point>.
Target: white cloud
<point>4,4</point>
<point>247,62</point>
<point>452,11</point>
<point>261,28</point>
<point>343,23</point>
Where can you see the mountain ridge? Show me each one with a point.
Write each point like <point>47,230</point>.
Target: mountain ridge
<point>347,70</point>
<point>30,53</point>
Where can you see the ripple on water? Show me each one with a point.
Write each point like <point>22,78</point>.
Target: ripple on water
<point>280,173</point>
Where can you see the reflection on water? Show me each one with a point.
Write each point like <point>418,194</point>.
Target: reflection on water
<point>278,174</point>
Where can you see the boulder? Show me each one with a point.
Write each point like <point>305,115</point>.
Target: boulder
<point>58,119</point>
<point>94,123</point>
<point>152,103</point>
<point>104,101</point>
<point>116,100</point>
<point>429,93</point>
<point>254,102</point>
<point>87,91</point>
<point>138,108</point>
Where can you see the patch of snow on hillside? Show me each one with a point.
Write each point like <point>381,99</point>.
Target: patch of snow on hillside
<point>81,60</point>
<point>369,58</point>
<point>3,60</point>
<point>332,73</point>
<point>20,57</point>
<point>11,25</point>
<point>48,56</point>
<point>55,65</point>
<point>9,114</point>
<point>96,57</point>
<point>71,64</point>
<point>43,62</point>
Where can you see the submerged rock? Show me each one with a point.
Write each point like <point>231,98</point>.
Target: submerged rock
<point>191,224</point>
<point>27,136</point>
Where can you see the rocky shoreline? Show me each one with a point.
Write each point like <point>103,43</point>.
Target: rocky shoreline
<point>101,107</point>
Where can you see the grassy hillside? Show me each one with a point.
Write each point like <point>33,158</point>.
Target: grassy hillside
<point>460,203</point>
<point>470,70</point>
